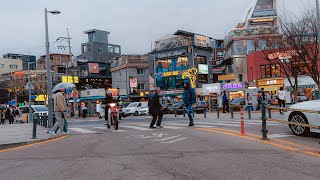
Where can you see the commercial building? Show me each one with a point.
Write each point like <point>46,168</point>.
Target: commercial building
<point>94,63</point>
<point>10,65</point>
<point>59,63</point>
<point>130,75</point>
<point>179,56</point>
<point>250,35</point>
<point>25,60</point>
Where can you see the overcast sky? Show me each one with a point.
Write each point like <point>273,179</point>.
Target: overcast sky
<point>133,23</point>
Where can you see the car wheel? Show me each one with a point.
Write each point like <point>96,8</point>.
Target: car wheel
<point>299,130</point>
<point>136,113</point>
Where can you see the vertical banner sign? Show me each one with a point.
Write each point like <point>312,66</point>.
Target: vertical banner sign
<point>151,82</point>
<point>133,82</point>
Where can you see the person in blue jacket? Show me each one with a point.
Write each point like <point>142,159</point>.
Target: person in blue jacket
<point>189,99</point>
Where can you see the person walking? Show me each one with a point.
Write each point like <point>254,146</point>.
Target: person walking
<point>225,102</point>
<point>10,115</point>
<point>281,94</point>
<point>3,116</point>
<point>17,115</point>
<point>108,100</point>
<point>60,108</point>
<point>189,99</point>
<point>249,103</point>
<point>155,109</point>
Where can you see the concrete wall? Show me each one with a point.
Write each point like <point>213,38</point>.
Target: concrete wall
<point>6,65</point>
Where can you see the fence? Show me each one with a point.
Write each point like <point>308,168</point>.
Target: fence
<point>264,118</point>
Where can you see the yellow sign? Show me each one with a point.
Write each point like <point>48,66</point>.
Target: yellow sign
<point>173,73</point>
<point>271,81</point>
<point>192,74</point>
<point>41,98</point>
<point>70,79</point>
<point>226,77</point>
<point>263,20</point>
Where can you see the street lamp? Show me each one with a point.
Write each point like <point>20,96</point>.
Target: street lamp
<point>49,84</point>
<point>29,87</point>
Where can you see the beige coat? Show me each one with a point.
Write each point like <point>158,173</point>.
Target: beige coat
<point>60,103</point>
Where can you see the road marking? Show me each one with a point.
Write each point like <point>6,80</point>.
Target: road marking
<point>84,131</point>
<point>112,130</point>
<point>164,126</point>
<point>172,137</point>
<point>264,142</point>
<point>279,135</point>
<point>174,141</point>
<point>196,125</point>
<point>137,128</point>
<point>238,122</point>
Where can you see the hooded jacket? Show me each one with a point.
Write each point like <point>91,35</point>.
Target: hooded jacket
<point>189,94</point>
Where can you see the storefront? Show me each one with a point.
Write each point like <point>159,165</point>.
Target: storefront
<point>90,98</point>
<point>271,85</point>
<point>234,90</point>
<point>211,94</point>
<point>306,86</point>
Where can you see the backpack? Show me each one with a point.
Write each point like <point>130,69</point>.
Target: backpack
<point>17,112</point>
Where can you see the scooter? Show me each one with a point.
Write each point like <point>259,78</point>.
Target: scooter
<point>113,113</point>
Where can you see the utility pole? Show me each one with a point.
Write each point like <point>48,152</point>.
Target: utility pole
<point>68,40</point>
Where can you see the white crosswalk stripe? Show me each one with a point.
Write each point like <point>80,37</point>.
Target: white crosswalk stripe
<point>137,128</point>
<point>83,131</point>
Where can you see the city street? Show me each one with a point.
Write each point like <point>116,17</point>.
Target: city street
<point>213,149</point>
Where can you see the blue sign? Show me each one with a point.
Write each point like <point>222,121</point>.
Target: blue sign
<point>69,91</point>
<point>12,103</point>
<point>33,97</point>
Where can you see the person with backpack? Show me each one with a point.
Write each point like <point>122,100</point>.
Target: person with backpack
<point>155,109</point>
<point>17,115</point>
<point>189,99</point>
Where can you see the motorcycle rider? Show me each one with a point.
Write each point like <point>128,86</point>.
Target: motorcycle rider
<point>108,100</point>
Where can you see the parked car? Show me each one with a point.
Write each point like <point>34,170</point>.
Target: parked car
<point>238,101</point>
<point>304,117</point>
<point>37,110</point>
<point>133,108</point>
<point>177,105</point>
<point>143,111</point>
<point>302,97</point>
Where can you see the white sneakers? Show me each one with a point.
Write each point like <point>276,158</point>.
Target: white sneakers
<point>52,133</point>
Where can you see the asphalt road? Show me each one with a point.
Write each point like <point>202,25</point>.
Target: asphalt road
<point>213,149</point>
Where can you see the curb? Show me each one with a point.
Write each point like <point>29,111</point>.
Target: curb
<point>15,145</point>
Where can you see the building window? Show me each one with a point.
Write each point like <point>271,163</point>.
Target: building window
<point>13,66</point>
<point>1,65</point>
<point>273,70</point>
<point>110,48</point>
<point>140,71</point>
<point>100,50</point>
<point>141,86</point>
<point>174,64</point>
<point>117,49</point>
<point>92,37</point>
<point>201,60</point>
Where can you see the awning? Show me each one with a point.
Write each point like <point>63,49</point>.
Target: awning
<point>304,82</point>
<point>91,98</point>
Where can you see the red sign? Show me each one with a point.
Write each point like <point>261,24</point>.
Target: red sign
<point>94,68</point>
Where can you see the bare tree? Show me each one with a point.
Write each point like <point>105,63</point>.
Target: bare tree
<point>298,49</point>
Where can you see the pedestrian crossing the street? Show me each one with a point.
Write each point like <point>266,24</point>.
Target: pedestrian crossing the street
<point>174,125</point>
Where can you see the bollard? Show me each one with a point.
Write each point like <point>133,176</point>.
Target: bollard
<point>269,112</point>
<point>34,129</point>
<point>184,111</point>
<point>249,113</point>
<point>242,122</point>
<point>231,112</point>
<point>218,115</point>
<point>205,112</point>
<point>175,112</point>
<point>264,121</point>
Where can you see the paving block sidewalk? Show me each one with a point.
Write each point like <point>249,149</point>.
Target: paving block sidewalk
<point>19,134</point>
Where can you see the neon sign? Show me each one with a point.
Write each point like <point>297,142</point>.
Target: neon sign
<point>192,74</point>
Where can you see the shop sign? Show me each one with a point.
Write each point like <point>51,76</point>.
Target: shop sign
<point>233,86</point>
<point>70,79</point>
<point>211,88</point>
<point>173,73</point>
<point>202,40</point>
<point>283,55</point>
<point>266,82</point>
<point>93,68</point>
<point>169,54</point>
<point>192,74</point>
<point>226,77</point>
<point>133,82</point>
<point>262,20</point>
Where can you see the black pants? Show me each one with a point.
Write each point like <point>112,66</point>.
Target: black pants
<point>281,103</point>
<point>225,106</point>
<point>259,104</point>
<point>154,119</point>
<point>11,120</point>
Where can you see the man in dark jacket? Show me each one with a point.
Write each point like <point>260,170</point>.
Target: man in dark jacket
<point>189,99</point>
<point>225,102</point>
<point>155,109</point>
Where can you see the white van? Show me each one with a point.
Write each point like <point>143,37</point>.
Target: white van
<point>133,108</point>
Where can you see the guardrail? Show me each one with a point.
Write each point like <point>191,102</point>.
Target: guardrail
<point>184,111</point>
<point>265,108</point>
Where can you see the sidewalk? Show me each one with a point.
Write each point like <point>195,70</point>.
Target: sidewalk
<point>21,134</point>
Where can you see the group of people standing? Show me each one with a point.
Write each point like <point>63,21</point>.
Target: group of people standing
<point>12,114</point>
<point>155,107</point>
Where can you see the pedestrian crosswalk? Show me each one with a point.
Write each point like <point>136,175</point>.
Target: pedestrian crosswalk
<point>172,125</point>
